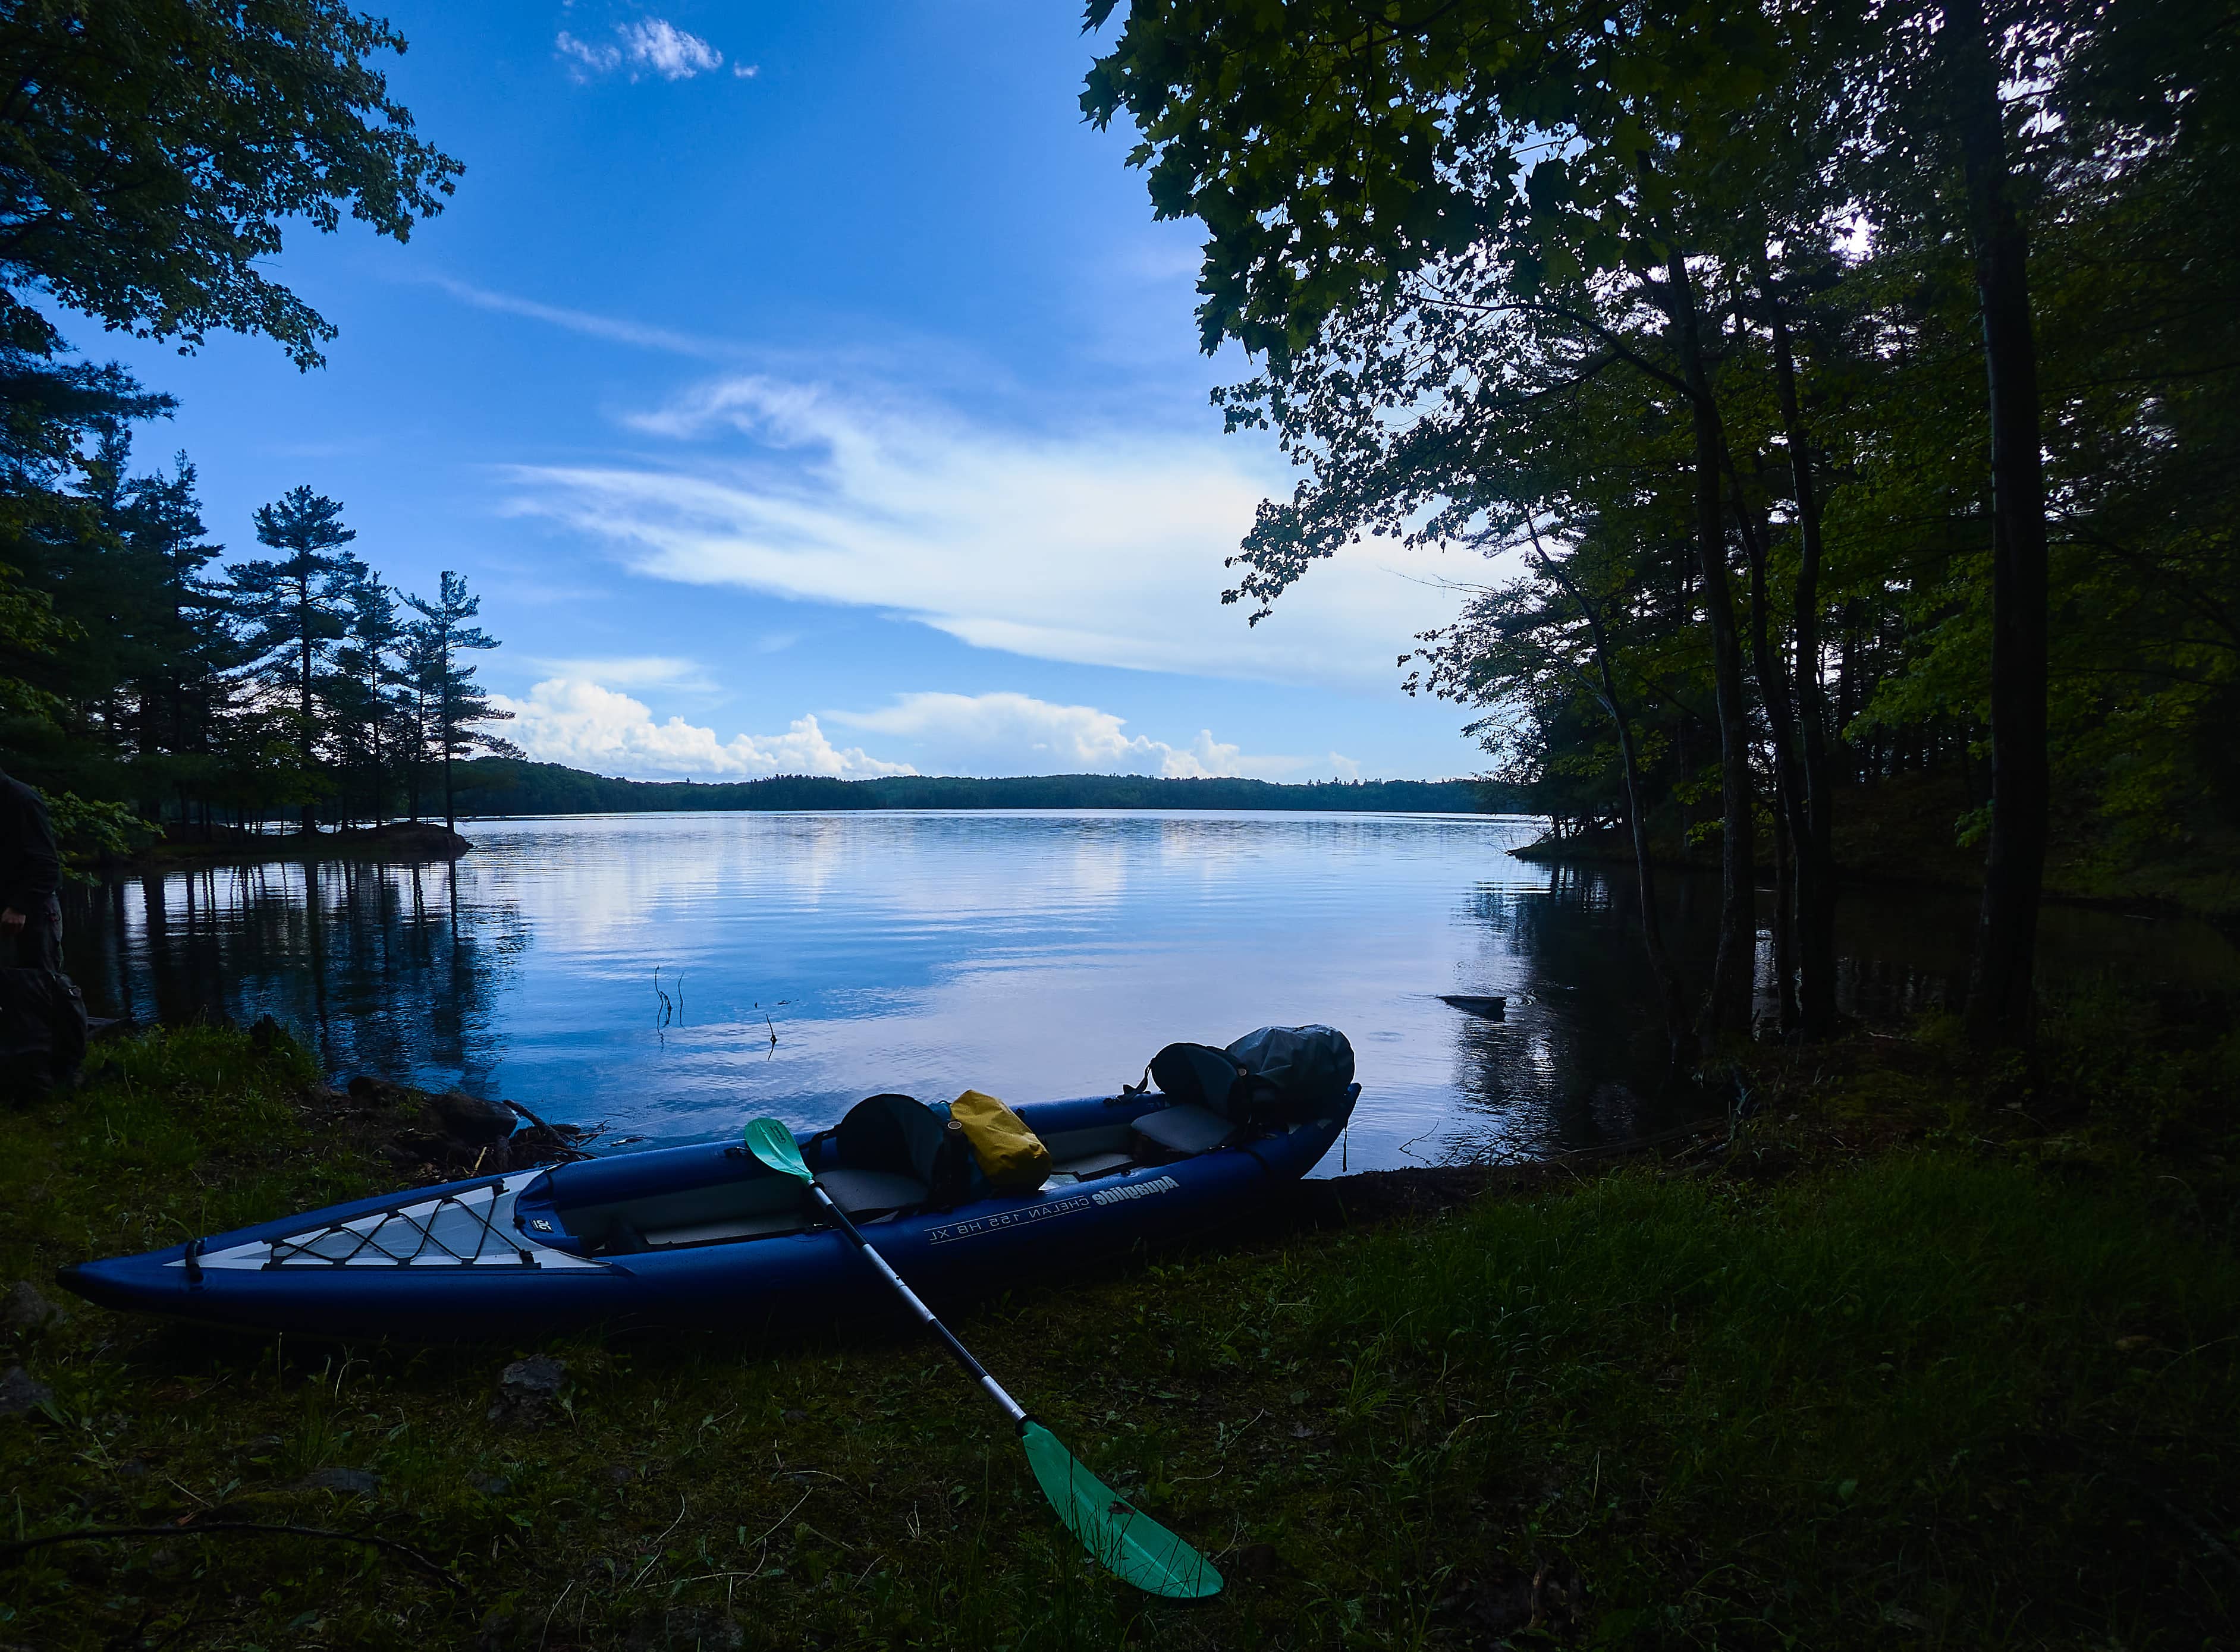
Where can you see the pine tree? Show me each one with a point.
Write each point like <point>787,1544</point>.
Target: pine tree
<point>156,154</point>
<point>61,456</point>
<point>455,701</point>
<point>297,608</point>
<point>374,718</point>
<point>184,647</point>
<point>421,672</point>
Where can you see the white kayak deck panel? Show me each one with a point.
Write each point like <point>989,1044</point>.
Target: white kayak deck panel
<point>454,1231</point>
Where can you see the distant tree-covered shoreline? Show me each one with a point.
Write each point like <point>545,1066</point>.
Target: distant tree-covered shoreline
<point>508,787</point>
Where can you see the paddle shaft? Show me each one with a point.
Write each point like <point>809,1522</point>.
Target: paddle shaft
<point>957,1351</point>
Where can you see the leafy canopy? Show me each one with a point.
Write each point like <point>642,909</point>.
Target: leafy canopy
<point>1331,149</point>
<point>151,152</point>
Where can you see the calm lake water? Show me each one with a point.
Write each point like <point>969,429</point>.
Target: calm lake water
<point>636,969</point>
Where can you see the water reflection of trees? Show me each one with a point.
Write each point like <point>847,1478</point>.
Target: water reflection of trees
<point>1576,1060</point>
<point>1579,1059</point>
<point>388,968</point>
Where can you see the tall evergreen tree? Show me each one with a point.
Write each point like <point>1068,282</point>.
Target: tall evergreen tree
<point>419,694</point>
<point>61,449</point>
<point>152,152</point>
<point>182,646</point>
<point>296,607</point>
<point>374,718</point>
<point>456,702</point>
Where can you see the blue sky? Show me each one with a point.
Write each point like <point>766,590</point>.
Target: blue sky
<point>807,388</point>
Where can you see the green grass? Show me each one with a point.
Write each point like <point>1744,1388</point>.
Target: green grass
<point>1933,1398</point>
<point>177,1133</point>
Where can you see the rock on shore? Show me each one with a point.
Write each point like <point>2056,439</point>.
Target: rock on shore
<point>448,1133</point>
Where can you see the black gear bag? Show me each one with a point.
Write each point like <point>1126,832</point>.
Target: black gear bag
<point>1275,1077</point>
<point>43,1031</point>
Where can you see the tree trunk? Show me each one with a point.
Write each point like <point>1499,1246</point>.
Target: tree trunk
<point>303,690</point>
<point>2000,987</point>
<point>1727,1006</point>
<point>373,728</point>
<point>1680,1046</point>
<point>1788,784</point>
<point>419,750</point>
<point>1790,1018</point>
<point>1814,846</point>
<point>451,821</point>
<point>1679,1035</point>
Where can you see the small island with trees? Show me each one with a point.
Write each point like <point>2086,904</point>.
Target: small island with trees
<point>153,689</point>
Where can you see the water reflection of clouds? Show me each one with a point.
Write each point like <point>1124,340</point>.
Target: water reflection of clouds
<point>1031,954</point>
<point>891,862</point>
<point>593,894</point>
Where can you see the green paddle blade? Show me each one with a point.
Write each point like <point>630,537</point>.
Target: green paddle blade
<point>1120,1538</point>
<point>773,1143</point>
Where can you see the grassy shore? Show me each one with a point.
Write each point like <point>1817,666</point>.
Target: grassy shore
<point>1930,1355</point>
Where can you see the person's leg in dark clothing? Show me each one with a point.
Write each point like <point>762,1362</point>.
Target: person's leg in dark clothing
<point>30,879</point>
<point>39,942</point>
<point>42,1021</point>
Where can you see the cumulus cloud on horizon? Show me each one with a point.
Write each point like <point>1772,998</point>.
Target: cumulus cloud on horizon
<point>587,725</point>
<point>966,732</point>
<point>1100,547</point>
<point>646,46</point>
<point>568,720</point>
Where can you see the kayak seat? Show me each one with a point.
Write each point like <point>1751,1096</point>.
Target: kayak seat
<point>862,1192</point>
<point>1181,1128</point>
<point>727,1207</point>
<point>723,1231</point>
<point>1094,1164</point>
<point>896,1154</point>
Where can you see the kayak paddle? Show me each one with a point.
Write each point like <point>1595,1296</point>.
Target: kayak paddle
<point>1119,1537</point>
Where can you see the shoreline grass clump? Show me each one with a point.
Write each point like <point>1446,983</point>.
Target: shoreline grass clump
<point>1944,1393</point>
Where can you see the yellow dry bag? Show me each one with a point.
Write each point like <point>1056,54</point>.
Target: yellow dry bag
<point>1010,1155</point>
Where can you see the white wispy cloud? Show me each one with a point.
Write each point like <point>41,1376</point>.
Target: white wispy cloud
<point>646,46</point>
<point>573,720</point>
<point>616,329</point>
<point>1099,546</point>
<point>633,671</point>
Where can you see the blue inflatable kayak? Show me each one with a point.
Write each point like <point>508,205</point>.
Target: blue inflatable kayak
<point>706,1237</point>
